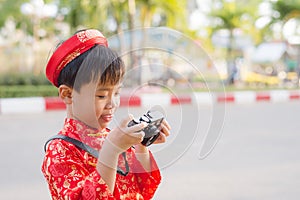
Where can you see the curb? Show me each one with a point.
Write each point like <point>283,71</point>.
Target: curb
<point>43,104</point>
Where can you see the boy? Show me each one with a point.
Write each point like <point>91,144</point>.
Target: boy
<point>88,76</point>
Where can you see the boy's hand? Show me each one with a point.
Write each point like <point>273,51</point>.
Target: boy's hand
<point>119,140</point>
<point>124,137</point>
<point>165,132</point>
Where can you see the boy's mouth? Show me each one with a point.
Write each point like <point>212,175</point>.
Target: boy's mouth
<point>107,118</point>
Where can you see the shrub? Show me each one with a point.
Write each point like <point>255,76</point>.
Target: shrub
<point>23,79</point>
<point>27,91</point>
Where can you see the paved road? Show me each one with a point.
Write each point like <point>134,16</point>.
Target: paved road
<point>257,157</point>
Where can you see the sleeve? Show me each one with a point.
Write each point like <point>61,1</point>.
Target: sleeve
<point>147,181</point>
<point>68,176</point>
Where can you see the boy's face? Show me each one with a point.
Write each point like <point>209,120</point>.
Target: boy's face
<point>99,114</point>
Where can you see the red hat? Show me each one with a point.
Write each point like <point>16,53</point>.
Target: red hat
<point>70,49</point>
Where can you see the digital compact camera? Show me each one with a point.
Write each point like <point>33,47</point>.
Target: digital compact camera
<point>152,131</point>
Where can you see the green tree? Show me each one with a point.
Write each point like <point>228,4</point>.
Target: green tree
<point>231,16</point>
<point>284,10</point>
<point>12,9</point>
<point>95,13</point>
<point>171,12</point>
<point>85,13</point>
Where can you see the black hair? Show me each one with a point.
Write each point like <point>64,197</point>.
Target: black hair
<point>98,64</point>
<point>68,73</point>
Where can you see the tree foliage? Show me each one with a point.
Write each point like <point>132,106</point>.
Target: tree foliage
<point>101,14</point>
<point>286,9</point>
<point>172,12</point>
<point>11,9</point>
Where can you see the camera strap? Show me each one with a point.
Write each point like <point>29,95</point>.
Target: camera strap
<point>88,149</point>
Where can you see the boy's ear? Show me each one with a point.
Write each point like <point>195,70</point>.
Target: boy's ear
<point>65,93</point>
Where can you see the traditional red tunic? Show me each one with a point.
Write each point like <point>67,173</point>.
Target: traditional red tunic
<point>71,172</point>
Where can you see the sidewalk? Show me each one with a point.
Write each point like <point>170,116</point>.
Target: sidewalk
<point>151,98</point>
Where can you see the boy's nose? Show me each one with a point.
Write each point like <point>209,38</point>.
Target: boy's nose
<point>113,102</point>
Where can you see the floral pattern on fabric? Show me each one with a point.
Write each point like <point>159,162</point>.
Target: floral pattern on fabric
<point>71,172</point>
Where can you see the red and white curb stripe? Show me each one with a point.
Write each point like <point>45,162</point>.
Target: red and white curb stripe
<point>42,104</point>
<point>252,97</point>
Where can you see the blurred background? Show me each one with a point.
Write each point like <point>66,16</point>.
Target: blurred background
<point>251,44</point>
<point>200,46</point>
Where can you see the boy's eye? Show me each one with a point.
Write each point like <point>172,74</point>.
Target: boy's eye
<point>101,96</point>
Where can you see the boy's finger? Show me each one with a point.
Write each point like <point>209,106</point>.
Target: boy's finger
<point>160,139</point>
<point>137,127</point>
<point>165,130</point>
<point>166,124</point>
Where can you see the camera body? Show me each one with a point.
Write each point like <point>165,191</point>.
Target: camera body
<point>152,131</point>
